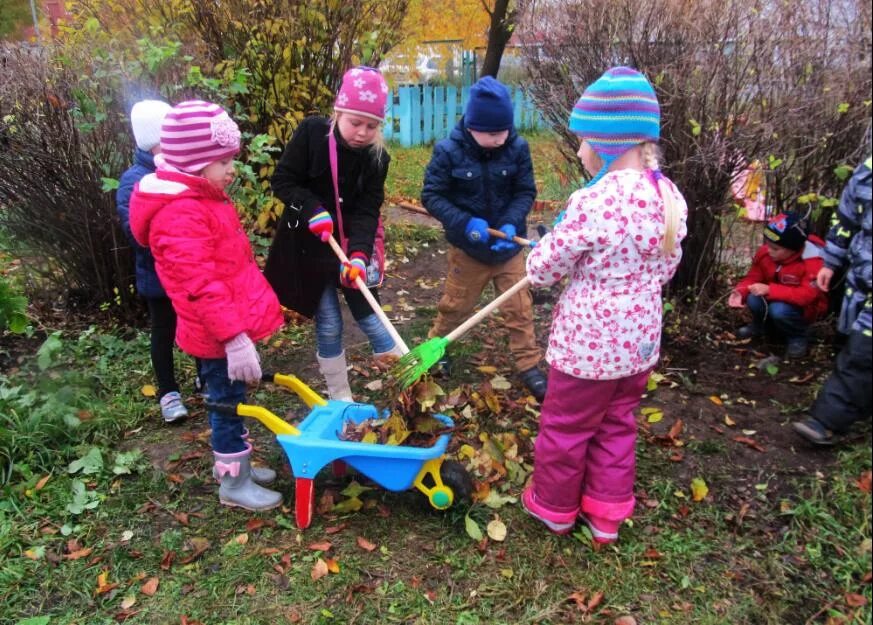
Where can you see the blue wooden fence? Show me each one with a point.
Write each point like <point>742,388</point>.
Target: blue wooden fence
<point>420,114</point>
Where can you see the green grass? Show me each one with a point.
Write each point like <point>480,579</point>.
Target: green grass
<point>802,548</point>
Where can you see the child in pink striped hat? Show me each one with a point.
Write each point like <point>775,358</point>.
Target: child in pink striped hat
<point>331,178</point>
<point>206,265</point>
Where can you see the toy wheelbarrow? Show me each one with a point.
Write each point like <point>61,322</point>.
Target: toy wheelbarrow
<point>316,442</point>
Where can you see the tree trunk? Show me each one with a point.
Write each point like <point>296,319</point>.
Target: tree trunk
<point>503,21</point>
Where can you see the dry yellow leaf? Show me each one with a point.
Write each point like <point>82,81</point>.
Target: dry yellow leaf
<point>716,400</point>
<point>319,570</point>
<point>699,489</point>
<point>332,565</point>
<point>497,530</point>
<point>148,390</point>
<point>729,422</point>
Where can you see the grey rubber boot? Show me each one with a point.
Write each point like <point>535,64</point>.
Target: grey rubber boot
<point>237,486</point>
<point>336,374</point>
<point>385,360</point>
<point>261,475</point>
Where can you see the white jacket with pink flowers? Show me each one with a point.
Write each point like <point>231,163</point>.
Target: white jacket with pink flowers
<point>607,323</point>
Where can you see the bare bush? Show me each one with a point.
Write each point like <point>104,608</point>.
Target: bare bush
<point>785,83</point>
<point>65,136</point>
<point>59,219</point>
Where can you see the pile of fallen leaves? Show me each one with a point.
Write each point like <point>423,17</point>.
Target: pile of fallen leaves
<point>409,420</point>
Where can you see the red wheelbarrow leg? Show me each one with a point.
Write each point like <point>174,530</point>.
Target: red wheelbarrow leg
<point>339,468</point>
<point>304,501</point>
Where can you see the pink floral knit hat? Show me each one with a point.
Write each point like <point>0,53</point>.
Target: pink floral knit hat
<point>364,92</point>
<point>195,134</point>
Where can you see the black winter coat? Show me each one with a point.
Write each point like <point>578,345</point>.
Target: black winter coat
<point>463,180</point>
<point>300,266</point>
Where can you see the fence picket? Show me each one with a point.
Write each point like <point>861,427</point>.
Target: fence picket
<point>426,113</point>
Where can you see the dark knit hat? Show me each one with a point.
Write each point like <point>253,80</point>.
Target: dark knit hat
<point>490,107</point>
<point>787,230</point>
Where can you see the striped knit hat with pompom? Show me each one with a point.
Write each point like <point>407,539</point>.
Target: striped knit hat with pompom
<point>195,134</point>
<point>615,113</point>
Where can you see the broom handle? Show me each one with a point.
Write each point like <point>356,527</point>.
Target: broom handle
<point>487,310</point>
<point>412,208</point>
<point>362,287</point>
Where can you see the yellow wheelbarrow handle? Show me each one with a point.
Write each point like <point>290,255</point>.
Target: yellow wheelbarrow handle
<point>306,394</point>
<point>275,424</point>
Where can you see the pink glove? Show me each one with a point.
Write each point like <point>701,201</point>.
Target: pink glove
<point>352,270</point>
<point>243,362</point>
<point>321,225</point>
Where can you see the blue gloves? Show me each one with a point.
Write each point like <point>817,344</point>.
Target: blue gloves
<point>507,244</point>
<point>477,230</point>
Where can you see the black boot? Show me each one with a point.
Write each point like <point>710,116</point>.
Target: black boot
<point>536,382</point>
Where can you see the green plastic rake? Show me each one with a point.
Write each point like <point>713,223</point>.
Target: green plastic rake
<point>410,367</point>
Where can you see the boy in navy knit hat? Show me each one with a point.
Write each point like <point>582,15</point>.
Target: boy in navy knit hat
<point>481,177</point>
<point>779,290</point>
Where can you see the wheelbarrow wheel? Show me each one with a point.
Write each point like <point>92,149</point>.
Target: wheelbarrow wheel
<point>455,476</point>
<point>304,501</point>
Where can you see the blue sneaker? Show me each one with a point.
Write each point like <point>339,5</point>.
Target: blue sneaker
<point>172,408</point>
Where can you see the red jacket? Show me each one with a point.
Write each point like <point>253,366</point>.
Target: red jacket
<point>791,281</point>
<point>204,261</point>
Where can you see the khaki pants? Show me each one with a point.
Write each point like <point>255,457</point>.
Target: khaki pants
<point>464,284</point>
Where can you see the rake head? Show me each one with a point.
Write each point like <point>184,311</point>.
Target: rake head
<point>410,367</point>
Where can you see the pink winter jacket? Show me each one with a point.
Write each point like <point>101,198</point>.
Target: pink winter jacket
<point>607,323</point>
<point>204,261</point>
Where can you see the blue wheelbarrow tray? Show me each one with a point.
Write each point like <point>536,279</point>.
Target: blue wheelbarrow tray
<point>394,467</point>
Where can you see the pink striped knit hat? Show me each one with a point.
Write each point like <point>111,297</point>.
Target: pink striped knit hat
<point>363,92</point>
<point>195,134</point>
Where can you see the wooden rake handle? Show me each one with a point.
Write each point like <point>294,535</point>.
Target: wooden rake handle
<point>362,287</point>
<point>420,210</point>
<point>488,309</point>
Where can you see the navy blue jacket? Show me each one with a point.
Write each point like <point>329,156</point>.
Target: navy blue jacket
<point>147,282</point>
<point>462,181</point>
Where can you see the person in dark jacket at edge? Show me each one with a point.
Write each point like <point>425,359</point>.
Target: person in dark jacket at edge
<point>847,395</point>
<point>481,177</point>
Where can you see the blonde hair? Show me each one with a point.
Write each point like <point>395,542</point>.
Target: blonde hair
<point>378,145</point>
<point>672,216</point>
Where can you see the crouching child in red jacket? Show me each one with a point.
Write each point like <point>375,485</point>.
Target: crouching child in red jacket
<point>779,289</point>
<point>206,265</point>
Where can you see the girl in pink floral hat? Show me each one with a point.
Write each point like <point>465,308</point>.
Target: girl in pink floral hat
<point>331,178</point>
<point>206,265</point>
<point>618,242</point>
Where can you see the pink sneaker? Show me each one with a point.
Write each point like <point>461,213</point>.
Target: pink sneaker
<point>603,531</point>
<point>562,526</point>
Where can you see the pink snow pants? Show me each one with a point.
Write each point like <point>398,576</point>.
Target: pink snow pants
<point>585,450</point>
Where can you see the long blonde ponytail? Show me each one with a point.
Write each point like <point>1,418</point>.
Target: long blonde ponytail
<point>672,216</point>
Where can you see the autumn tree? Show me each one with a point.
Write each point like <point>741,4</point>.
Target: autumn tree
<point>503,16</point>
<point>787,84</point>
<point>65,137</point>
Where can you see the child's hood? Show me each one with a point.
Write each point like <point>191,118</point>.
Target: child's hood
<point>646,233</point>
<point>155,191</point>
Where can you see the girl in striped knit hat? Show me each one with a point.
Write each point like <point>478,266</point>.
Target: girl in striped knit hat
<point>618,243</point>
<point>206,265</point>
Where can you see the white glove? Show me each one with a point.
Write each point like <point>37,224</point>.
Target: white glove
<point>243,362</point>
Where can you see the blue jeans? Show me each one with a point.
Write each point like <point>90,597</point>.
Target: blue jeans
<point>329,327</point>
<point>226,429</point>
<point>787,319</point>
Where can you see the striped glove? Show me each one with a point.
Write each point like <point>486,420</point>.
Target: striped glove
<point>352,270</point>
<point>321,225</point>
